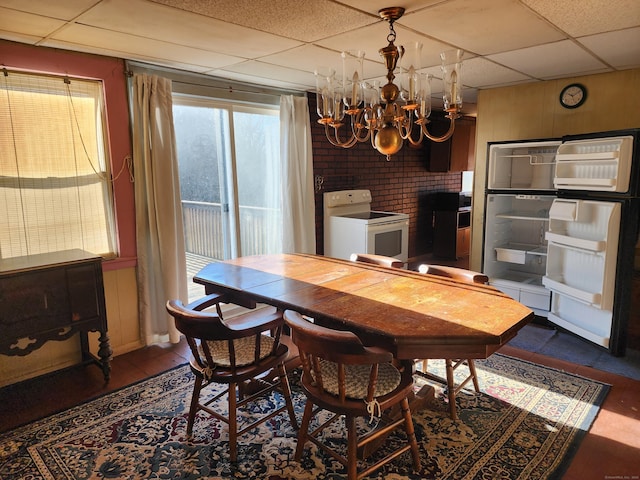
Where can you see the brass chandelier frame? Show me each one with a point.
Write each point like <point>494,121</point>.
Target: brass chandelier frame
<point>386,123</point>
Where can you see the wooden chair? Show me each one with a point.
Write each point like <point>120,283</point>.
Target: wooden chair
<point>344,377</point>
<point>234,353</point>
<point>376,260</point>
<point>451,365</point>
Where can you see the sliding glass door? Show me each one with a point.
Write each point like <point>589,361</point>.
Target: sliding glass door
<point>229,164</point>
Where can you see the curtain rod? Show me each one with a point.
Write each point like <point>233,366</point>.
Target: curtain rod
<point>201,80</point>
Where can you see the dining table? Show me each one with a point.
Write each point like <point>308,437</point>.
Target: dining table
<point>414,315</point>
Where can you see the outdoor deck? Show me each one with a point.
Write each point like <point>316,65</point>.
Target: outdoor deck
<point>195,263</point>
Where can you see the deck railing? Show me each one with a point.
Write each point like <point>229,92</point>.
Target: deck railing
<point>204,229</point>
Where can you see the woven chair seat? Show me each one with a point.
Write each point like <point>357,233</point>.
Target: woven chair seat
<point>244,347</point>
<point>357,379</point>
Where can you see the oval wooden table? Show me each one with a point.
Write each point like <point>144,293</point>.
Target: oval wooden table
<point>412,314</point>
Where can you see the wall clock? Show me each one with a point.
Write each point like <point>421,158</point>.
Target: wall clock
<point>573,95</point>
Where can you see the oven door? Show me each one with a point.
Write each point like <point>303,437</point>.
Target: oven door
<point>390,239</point>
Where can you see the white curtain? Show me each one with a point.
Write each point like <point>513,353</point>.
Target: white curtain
<point>162,269</point>
<point>298,207</point>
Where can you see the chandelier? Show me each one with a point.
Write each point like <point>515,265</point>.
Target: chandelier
<point>386,115</point>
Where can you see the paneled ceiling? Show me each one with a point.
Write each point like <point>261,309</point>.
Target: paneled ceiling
<point>280,43</point>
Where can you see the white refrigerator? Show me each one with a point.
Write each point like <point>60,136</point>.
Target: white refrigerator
<point>561,227</point>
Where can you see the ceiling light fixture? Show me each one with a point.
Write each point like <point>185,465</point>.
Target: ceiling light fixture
<point>375,112</point>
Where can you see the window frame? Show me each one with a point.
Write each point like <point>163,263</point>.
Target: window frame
<point>114,75</point>
<point>56,101</point>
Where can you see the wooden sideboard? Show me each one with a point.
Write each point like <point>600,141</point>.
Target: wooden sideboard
<point>52,297</point>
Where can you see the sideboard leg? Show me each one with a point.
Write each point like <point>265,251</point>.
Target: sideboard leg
<point>105,352</point>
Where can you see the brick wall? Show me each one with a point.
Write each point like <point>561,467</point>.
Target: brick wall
<point>402,185</point>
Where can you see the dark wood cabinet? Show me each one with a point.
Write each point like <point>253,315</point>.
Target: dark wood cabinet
<point>456,154</point>
<point>53,297</point>
<point>452,233</point>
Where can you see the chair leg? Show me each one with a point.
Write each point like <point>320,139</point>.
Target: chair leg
<point>303,432</point>
<point>352,448</point>
<point>411,435</point>
<point>233,423</point>
<point>451,390</point>
<point>286,391</point>
<point>195,401</point>
<point>472,371</point>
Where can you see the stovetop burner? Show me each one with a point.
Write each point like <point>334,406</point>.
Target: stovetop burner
<point>371,215</point>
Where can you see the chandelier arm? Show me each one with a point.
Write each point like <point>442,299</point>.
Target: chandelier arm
<point>329,136</point>
<point>405,126</point>
<point>346,144</point>
<point>357,126</point>
<point>417,142</point>
<point>335,140</point>
<point>446,136</point>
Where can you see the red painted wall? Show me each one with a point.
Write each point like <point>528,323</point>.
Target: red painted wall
<point>111,72</point>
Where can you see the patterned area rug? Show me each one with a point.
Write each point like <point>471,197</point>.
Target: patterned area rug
<point>526,423</point>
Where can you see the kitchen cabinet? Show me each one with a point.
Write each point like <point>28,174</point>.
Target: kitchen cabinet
<point>463,240</point>
<point>52,297</point>
<point>452,233</point>
<point>456,154</point>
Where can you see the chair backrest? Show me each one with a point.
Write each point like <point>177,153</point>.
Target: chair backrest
<point>318,345</point>
<point>376,260</point>
<point>216,343</point>
<point>456,273</point>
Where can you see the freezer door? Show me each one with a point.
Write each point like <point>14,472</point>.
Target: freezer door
<point>581,265</point>
<point>599,164</point>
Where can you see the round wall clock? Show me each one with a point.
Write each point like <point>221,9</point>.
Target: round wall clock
<point>573,95</point>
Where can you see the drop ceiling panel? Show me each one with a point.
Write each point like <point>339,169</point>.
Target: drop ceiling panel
<point>183,28</point>
<point>483,27</point>
<point>63,10</point>
<point>374,37</point>
<point>480,72</point>
<point>240,77</point>
<point>585,17</point>
<point>608,47</point>
<point>306,57</point>
<point>140,48</point>
<point>269,71</point>
<point>306,21</point>
<point>21,24</point>
<point>549,61</point>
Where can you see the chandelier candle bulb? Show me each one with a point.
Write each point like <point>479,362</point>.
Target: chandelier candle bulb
<point>454,81</point>
<point>412,85</point>
<point>354,91</point>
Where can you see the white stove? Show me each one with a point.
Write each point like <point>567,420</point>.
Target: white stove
<point>350,226</point>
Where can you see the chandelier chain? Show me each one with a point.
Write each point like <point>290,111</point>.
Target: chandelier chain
<point>392,33</point>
